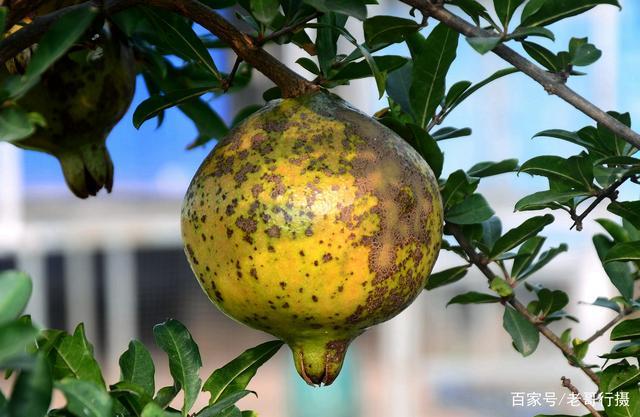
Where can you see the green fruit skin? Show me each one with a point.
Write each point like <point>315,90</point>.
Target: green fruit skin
<point>312,222</point>
<point>82,97</point>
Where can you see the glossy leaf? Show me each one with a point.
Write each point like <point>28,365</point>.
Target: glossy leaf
<point>429,72</point>
<point>309,65</point>
<point>518,235</point>
<point>355,8</point>
<point>542,199</point>
<point>165,395</point>
<point>31,393</point>
<point>235,376</point>
<point>446,277</point>
<point>383,30</point>
<point>551,301</point>
<point>483,44</point>
<point>136,367</point>
<point>450,133</point>
<point>472,8</point>
<point>458,186</point>
<point>627,329</point>
<point>488,169</point>
<point>629,210</point>
<point>15,290</point>
<point>469,91</point>
<point>17,124</point>
<point>178,35</point>
<point>473,209</point>
<point>545,12</point>
<point>208,122</point>
<point>154,105</point>
<point>546,257</point>
<point>543,56</point>
<point>576,171</point>
<point>85,399</point>
<point>455,91</point>
<point>491,231</point>
<point>619,273</point>
<point>427,148</point>
<point>473,297</point>
<point>526,255</point>
<point>582,53</point>
<point>362,69</point>
<point>505,9</point>
<point>525,336</point>
<point>501,287</point>
<point>623,252</point>
<point>184,358</point>
<point>398,86</point>
<point>618,232</point>
<point>14,339</point>
<point>71,356</point>
<point>223,404</point>
<point>264,10</point>
<point>154,410</point>
<point>523,32</point>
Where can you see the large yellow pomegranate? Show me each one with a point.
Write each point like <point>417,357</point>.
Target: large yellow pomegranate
<point>312,222</point>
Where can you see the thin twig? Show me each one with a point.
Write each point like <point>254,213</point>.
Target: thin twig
<point>566,382</point>
<point>551,83</point>
<point>228,82</point>
<point>288,29</point>
<point>601,331</point>
<point>482,264</point>
<point>609,192</point>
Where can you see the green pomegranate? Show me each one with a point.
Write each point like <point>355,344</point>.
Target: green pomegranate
<point>82,97</point>
<point>312,222</point>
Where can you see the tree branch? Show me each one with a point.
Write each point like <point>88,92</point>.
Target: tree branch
<point>551,83</point>
<point>290,83</point>
<point>19,9</point>
<point>566,382</point>
<point>598,333</point>
<point>609,192</point>
<point>482,264</point>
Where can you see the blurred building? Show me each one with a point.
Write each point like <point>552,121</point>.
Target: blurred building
<point>115,262</point>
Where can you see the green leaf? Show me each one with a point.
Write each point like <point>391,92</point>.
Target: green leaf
<point>550,302</point>
<point>130,396</point>
<point>85,399</point>
<point>71,356</point>
<point>525,336</point>
<point>491,231</point>
<point>327,40</point>
<point>582,53</point>
<point>545,12</point>
<point>501,287</point>
<point>623,252</point>
<point>518,235</point>
<point>473,209</point>
<point>576,171</point>
<point>522,32</point>
<point>236,375</point>
<point>383,30</point>
<point>472,8</point>
<point>309,65</point>
<point>398,86</point>
<point>619,273</point>
<point>178,35</point>
<point>473,297</point>
<point>225,403</point>
<point>208,122</point>
<point>458,186</point>
<point>543,56</point>
<point>15,290</point>
<point>526,254</point>
<point>3,18</point>
<point>136,367</point>
<point>62,35</point>
<point>629,210</point>
<point>154,105</point>
<point>450,133</point>
<point>14,339</point>
<point>362,69</point>
<point>31,393</point>
<point>184,358</point>
<point>607,303</point>
<point>546,257</point>
<point>355,8</point>
<point>446,277</point>
<point>617,231</point>
<point>16,124</point>
<point>483,44</point>
<point>628,329</point>
<point>617,376</point>
<point>542,199</point>
<point>429,72</point>
<point>154,410</point>
<point>505,10</point>
<point>265,10</point>
<point>165,395</point>
<point>496,75</point>
<point>455,91</point>
<point>427,148</point>
<point>488,169</point>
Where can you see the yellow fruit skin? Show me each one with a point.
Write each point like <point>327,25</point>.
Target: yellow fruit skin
<point>312,222</point>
